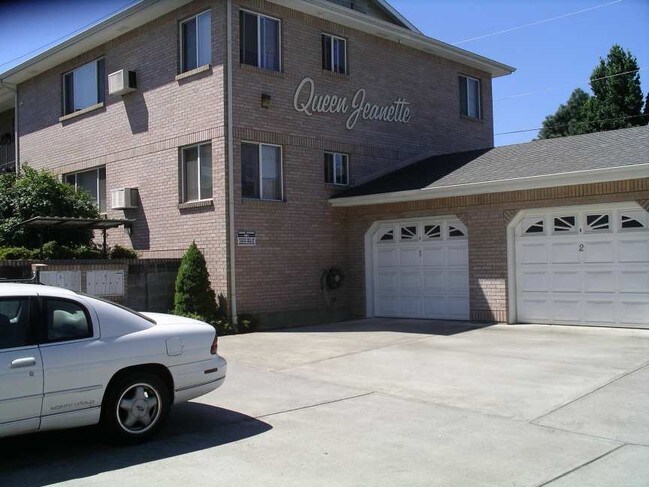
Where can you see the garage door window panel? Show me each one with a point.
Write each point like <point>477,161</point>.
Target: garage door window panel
<point>565,224</point>
<point>386,235</point>
<point>409,233</point>
<point>598,223</point>
<point>15,329</point>
<point>534,226</point>
<point>432,232</point>
<point>457,231</point>
<point>66,320</point>
<point>633,220</point>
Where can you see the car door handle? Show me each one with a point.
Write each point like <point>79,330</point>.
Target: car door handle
<point>23,362</point>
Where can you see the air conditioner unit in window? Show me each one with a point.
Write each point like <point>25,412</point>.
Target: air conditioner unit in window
<point>121,82</point>
<point>123,199</point>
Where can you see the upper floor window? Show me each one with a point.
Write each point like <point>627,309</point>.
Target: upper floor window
<point>334,54</point>
<point>261,171</point>
<point>83,86</point>
<point>259,41</point>
<point>92,182</point>
<point>336,168</point>
<point>470,97</point>
<point>196,42</point>
<point>196,162</point>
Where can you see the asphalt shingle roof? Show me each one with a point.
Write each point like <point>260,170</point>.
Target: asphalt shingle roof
<point>600,150</point>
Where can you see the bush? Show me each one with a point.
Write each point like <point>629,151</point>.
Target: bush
<point>194,294</point>
<point>39,193</point>
<point>17,253</point>
<point>119,252</point>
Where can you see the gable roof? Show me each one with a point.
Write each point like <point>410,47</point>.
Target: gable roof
<point>147,10</point>
<point>597,157</point>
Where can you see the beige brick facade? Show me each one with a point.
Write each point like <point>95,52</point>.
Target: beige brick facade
<point>138,137</point>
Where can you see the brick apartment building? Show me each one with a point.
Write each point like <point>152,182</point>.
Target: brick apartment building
<point>290,137</point>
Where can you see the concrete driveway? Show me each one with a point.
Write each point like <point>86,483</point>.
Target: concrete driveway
<point>388,402</point>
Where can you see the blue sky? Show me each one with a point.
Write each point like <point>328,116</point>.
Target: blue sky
<point>552,58</point>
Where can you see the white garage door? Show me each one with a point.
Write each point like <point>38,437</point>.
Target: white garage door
<point>583,265</point>
<point>421,269</point>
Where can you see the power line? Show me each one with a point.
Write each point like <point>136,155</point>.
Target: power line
<point>81,29</point>
<point>545,90</point>
<point>536,23</point>
<point>576,123</point>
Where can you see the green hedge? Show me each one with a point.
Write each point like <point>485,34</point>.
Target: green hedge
<point>56,251</point>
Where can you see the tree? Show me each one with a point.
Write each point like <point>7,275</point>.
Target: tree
<point>616,102</point>
<point>39,193</point>
<point>194,296</point>
<point>568,119</point>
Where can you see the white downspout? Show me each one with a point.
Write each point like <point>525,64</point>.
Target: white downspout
<point>230,139</point>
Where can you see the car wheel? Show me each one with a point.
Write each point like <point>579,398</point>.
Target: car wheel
<point>135,407</point>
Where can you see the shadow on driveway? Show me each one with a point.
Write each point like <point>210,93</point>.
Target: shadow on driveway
<point>57,456</point>
<point>396,325</point>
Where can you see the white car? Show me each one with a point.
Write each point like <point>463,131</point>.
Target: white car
<point>68,360</point>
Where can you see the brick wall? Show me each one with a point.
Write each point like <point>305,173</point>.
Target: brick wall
<point>486,217</point>
<point>302,236</point>
<point>137,136</point>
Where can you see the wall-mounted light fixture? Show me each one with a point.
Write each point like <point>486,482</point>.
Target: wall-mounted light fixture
<point>265,100</point>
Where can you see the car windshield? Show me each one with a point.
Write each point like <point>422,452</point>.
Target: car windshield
<point>121,306</point>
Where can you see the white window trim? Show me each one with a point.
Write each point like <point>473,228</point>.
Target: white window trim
<point>261,179</point>
<point>65,98</point>
<point>182,46</point>
<point>279,40</point>
<point>346,70</point>
<point>479,82</point>
<point>334,154</point>
<point>76,184</point>
<point>182,173</point>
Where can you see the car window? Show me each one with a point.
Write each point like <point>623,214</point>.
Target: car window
<point>14,323</point>
<point>66,320</point>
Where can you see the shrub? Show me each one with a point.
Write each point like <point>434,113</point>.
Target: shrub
<point>17,253</point>
<point>88,252</point>
<point>39,193</point>
<point>194,294</point>
<point>119,252</point>
<point>54,250</point>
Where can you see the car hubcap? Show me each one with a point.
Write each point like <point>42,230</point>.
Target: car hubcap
<point>139,408</point>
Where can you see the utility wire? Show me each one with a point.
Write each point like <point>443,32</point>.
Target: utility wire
<point>576,123</point>
<point>535,23</point>
<point>81,29</point>
<point>545,90</point>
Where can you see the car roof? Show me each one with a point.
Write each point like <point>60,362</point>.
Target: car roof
<point>24,289</point>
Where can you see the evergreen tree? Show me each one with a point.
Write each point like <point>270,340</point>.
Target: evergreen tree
<point>194,296</point>
<point>568,119</point>
<point>616,102</point>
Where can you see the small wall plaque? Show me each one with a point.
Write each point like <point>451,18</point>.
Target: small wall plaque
<point>246,239</point>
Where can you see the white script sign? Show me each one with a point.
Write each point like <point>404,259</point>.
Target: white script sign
<point>307,101</point>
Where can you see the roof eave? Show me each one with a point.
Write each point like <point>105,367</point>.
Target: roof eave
<point>620,173</point>
<point>395,33</point>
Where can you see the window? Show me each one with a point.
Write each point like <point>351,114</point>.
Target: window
<point>92,182</point>
<point>533,225</point>
<point>470,97</point>
<point>196,42</point>
<point>597,222</point>
<point>196,162</point>
<point>409,233</point>
<point>456,232</point>
<point>334,54</point>
<point>432,232</point>
<point>66,320</point>
<point>14,323</point>
<point>259,41</point>
<point>565,224</point>
<point>336,168</point>
<point>261,171</point>
<point>631,220</point>
<point>387,236</point>
<point>83,87</point>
